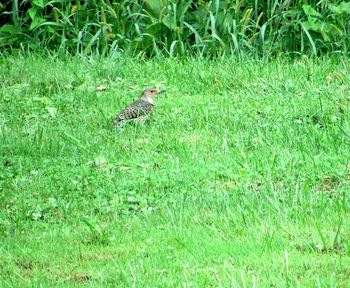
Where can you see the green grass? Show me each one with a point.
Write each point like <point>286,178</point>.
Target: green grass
<point>240,178</point>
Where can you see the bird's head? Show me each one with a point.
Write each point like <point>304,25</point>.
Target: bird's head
<point>150,94</point>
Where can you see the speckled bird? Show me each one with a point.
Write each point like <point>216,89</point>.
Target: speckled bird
<point>139,110</point>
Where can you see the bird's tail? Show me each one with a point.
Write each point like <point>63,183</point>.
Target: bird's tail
<point>119,123</point>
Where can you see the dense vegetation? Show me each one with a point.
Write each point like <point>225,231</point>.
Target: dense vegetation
<point>240,178</point>
<point>177,27</point>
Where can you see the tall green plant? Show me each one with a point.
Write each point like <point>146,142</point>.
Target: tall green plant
<point>177,27</point>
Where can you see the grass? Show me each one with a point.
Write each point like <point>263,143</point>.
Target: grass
<point>239,179</point>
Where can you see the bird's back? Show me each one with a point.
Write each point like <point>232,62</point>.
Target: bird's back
<point>139,109</point>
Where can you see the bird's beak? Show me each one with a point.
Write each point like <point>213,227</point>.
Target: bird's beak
<point>161,91</point>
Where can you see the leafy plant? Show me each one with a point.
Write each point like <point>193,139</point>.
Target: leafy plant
<point>176,27</point>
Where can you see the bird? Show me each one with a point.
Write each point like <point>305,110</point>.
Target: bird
<point>139,110</point>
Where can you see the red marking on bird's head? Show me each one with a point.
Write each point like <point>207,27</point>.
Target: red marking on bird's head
<point>151,93</point>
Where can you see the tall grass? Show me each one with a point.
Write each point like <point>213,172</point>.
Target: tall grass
<point>177,27</point>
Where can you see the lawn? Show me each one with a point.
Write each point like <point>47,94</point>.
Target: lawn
<point>241,177</point>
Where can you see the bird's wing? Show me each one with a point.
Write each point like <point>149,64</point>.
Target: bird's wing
<point>135,110</point>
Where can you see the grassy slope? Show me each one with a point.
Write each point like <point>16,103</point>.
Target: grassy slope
<point>241,177</point>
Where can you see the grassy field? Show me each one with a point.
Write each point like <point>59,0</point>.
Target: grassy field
<point>241,177</point>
